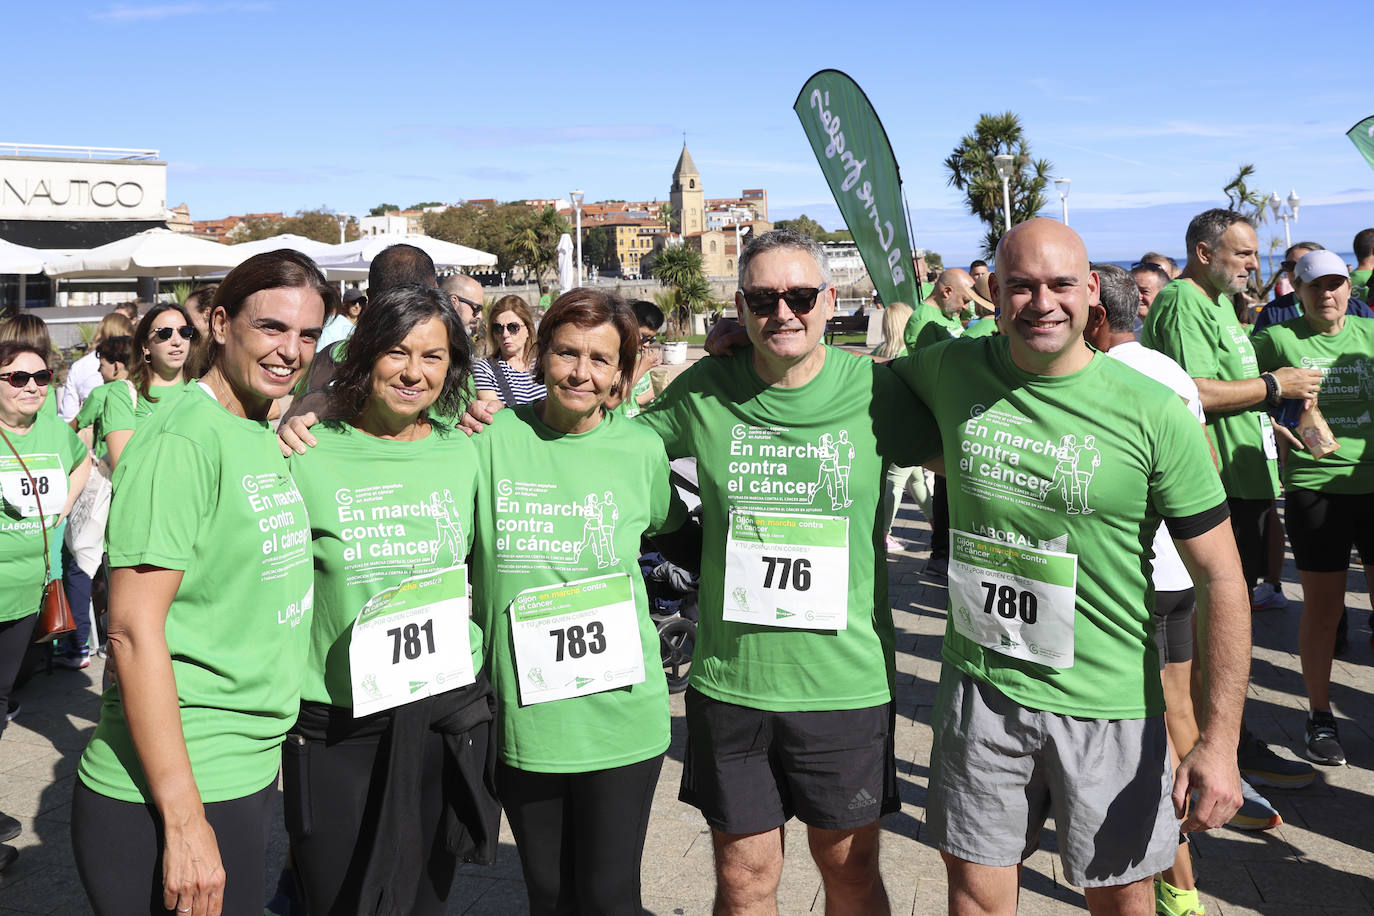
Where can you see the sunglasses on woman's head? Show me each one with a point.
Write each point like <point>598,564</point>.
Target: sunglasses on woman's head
<point>186,331</point>
<point>512,328</point>
<point>21,379</point>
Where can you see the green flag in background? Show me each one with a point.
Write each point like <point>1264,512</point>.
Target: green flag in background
<point>1362,135</point>
<point>856,157</point>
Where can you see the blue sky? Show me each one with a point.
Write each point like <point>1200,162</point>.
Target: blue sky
<point>275,105</point>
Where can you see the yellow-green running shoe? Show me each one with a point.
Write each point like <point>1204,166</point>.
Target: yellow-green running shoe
<point>1170,901</point>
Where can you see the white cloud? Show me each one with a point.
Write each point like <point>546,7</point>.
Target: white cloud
<point>122,12</point>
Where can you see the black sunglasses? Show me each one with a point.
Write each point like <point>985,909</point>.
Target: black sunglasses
<point>186,331</point>
<point>799,299</point>
<point>475,306</point>
<point>21,379</point>
<point>512,328</point>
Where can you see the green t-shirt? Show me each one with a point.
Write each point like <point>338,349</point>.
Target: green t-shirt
<point>936,329</point>
<point>921,314</point>
<point>815,452</point>
<point>981,327</point>
<point>1359,284</point>
<point>1204,337</point>
<point>630,407</point>
<point>555,509</point>
<point>380,511</point>
<point>1084,464</point>
<point>1346,360</point>
<point>208,493</point>
<point>51,451</point>
<point>124,413</point>
<point>92,412</point>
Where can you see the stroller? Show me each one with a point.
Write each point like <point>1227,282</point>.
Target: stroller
<point>672,590</point>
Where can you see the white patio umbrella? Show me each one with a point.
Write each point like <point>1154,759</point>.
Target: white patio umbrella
<point>19,259</point>
<point>151,253</point>
<point>565,262</point>
<point>305,246</point>
<point>350,260</point>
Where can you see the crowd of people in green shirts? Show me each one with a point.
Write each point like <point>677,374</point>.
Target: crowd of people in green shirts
<point>421,605</point>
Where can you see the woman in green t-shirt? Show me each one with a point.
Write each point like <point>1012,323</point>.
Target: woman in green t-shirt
<point>1328,502</point>
<point>162,342</point>
<point>57,467</point>
<point>566,488</point>
<point>210,597</point>
<point>376,768</point>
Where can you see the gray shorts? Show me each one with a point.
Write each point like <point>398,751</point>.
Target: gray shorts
<point>998,769</point>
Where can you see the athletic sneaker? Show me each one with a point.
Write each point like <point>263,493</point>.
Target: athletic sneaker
<point>1170,901</point>
<point>894,545</point>
<point>1255,811</point>
<point>9,828</point>
<point>1262,767</point>
<point>937,566</point>
<point>1323,744</point>
<point>11,710</point>
<point>1268,598</point>
<point>75,662</point>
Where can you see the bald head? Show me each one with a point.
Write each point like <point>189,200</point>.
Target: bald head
<point>1045,288</point>
<point>952,290</point>
<point>466,295</point>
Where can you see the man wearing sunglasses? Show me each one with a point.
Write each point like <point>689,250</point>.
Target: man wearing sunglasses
<point>1049,700</point>
<point>466,295</point>
<point>790,708</point>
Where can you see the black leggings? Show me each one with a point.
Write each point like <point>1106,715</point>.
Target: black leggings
<point>332,792</point>
<point>581,836</point>
<point>15,636</point>
<point>118,847</point>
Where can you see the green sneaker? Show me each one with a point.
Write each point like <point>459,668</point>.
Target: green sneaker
<point>1170,901</point>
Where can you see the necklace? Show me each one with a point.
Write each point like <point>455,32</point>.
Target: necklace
<point>224,397</point>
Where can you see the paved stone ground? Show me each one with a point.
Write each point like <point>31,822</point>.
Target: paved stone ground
<point>1321,861</point>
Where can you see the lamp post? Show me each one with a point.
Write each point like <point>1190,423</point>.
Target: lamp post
<point>1291,213</point>
<point>1003,161</point>
<point>577,208</point>
<point>1062,186</point>
<point>343,221</point>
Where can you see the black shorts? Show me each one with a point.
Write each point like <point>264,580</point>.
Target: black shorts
<point>750,770</point>
<point>1323,527</point>
<point>1174,625</point>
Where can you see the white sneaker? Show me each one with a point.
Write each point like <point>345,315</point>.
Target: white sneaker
<point>1268,598</point>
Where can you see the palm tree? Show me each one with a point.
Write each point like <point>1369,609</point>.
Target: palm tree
<point>972,170</point>
<point>679,268</point>
<point>1244,201</point>
<point>665,213</point>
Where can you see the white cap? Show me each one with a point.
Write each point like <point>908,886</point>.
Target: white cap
<point>1316,264</point>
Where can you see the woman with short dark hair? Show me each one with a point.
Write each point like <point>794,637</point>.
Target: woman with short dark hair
<point>566,488</point>
<point>389,489</point>
<point>210,598</point>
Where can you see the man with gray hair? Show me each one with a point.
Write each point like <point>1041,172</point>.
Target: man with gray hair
<point>790,709</point>
<point>1192,321</point>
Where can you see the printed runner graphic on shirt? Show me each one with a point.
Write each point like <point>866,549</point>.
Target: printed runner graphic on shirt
<point>598,529</point>
<point>1073,473</point>
<point>540,524</point>
<point>765,469</point>
<point>1344,387</point>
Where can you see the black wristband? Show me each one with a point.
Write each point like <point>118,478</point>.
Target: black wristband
<point>1271,389</point>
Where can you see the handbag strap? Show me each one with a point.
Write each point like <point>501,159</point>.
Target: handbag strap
<point>502,382</point>
<point>47,552</point>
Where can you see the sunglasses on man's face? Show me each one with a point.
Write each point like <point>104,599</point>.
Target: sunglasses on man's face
<point>475,306</point>
<point>799,299</point>
<point>513,328</point>
<point>21,379</point>
<point>186,331</point>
